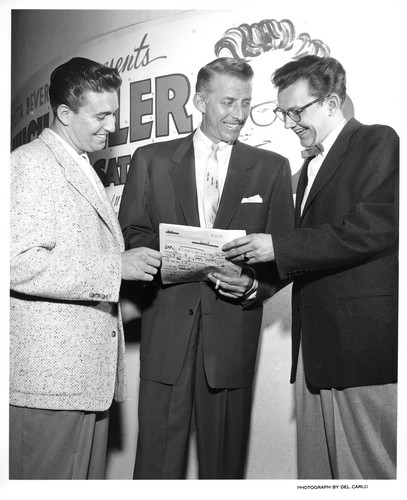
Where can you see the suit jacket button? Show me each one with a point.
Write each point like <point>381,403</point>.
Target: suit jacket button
<point>113,333</point>
<point>91,295</point>
<point>191,312</point>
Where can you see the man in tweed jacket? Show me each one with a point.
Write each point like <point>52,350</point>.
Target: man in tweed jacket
<point>67,263</point>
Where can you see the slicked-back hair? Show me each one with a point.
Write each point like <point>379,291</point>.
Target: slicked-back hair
<point>70,81</point>
<point>325,75</point>
<point>237,68</point>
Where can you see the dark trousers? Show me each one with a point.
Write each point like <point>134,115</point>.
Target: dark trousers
<point>56,444</point>
<point>222,422</point>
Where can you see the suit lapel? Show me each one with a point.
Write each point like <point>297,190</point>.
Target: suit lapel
<point>183,176</point>
<point>302,185</point>
<point>332,161</point>
<point>236,184</point>
<point>107,208</point>
<point>78,179</point>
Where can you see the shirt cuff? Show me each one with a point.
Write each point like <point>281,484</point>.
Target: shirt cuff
<point>251,294</point>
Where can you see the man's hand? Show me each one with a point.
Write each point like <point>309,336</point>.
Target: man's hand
<point>140,264</point>
<point>232,287</point>
<point>251,249</point>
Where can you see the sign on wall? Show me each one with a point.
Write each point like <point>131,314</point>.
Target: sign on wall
<point>158,62</point>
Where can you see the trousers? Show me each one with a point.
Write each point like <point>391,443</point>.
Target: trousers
<point>348,433</point>
<point>57,444</point>
<point>221,417</point>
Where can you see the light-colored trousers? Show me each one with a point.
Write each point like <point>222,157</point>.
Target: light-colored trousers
<point>346,433</point>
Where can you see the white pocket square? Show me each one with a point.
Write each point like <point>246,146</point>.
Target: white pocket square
<point>253,199</point>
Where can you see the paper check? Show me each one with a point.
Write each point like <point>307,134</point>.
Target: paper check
<point>190,253</point>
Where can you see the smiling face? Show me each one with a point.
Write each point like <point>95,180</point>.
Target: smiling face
<point>225,109</point>
<point>316,122</point>
<point>87,130</point>
<point>263,129</point>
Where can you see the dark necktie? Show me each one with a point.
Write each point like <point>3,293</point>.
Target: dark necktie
<point>301,186</point>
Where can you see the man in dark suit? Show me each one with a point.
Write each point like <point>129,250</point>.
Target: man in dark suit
<point>199,340</point>
<point>343,258</point>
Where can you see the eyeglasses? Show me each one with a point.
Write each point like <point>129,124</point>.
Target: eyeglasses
<point>262,114</point>
<point>295,114</point>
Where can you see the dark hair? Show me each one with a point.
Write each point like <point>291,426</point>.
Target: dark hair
<point>70,81</point>
<point>325,75</point>
<point>222,66</point>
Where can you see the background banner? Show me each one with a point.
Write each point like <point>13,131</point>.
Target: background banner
<point>158,62</point>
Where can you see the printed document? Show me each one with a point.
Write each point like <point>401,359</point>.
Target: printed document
<point>190,253</point>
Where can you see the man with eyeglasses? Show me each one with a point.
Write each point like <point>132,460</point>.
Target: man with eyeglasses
<point>343,259</point>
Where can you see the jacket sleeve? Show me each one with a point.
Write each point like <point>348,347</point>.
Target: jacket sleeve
<point>50,254</point>
<point>280,220</point>
<point>368,227</point>
<point>134,213</point>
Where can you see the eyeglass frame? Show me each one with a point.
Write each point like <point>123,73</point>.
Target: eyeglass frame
<point>258,106</point>
<point>297,111</point>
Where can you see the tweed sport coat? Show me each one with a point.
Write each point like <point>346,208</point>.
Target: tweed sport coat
<point>343,258</point>
<point>161,187</point>
<point>66,335</point>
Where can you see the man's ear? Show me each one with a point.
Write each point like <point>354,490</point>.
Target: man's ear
<point>334,103</point>
<point>63,114</point>
<point>199,102</point>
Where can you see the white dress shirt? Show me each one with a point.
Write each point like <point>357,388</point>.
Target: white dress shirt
<point>316,163</point>
<point>202,148</point>
<point>82,160</point>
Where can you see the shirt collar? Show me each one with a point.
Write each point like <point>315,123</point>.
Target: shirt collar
<point>75,155</point>
<point>202,141</point>
<point>331,137</point>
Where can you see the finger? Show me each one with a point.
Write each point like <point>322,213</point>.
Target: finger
<point>238,242</point>
<point>237,253</point>
<point>155,255</point>
<point>153,262</point>
<point>151,270</point>
<point>147,277</point>
<point>231,288</point>
<point>214,281</point>
<point>229,295</point>
<point>231,279</point>
<point>222,278</point>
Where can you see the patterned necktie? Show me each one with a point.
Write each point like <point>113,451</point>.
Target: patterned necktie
<point>211,187</point>
<point>312,151</point>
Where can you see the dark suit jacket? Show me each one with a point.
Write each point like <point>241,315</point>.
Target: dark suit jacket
<point>344,261</point>
<point>161,187</point>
